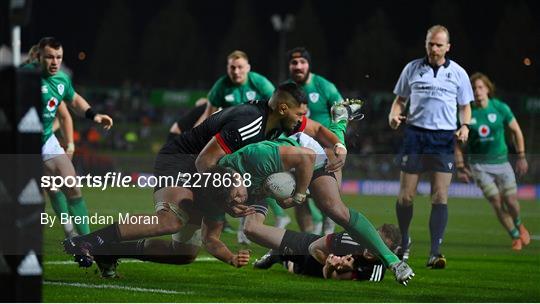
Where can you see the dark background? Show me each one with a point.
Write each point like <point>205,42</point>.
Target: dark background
<point>360,45</point>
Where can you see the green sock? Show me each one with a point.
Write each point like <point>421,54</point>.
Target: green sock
<point>514,233</point>
<point>339,128</point>
<point>362,231</point>
<point>77,207</point>
<point>59,203</point>
<point>272,203</point>
<point>517,221</point>
<point>316,214</point>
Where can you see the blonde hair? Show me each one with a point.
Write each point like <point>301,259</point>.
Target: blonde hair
<point>237,54</point>
<point>436,29</point>
<point>491,87</point>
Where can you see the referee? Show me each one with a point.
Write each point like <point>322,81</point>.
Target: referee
<point>437,88</point>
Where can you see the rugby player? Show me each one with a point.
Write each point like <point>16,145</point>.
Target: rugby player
<point>200,149</point>
<point>56,86</point>
<point>333,256</point>
<point>262,159</point>
<point>488,157</point>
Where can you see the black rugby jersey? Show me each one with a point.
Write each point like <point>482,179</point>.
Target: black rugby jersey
<point>233,128</point>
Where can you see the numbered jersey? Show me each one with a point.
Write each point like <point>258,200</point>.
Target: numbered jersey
<point>487,143</point>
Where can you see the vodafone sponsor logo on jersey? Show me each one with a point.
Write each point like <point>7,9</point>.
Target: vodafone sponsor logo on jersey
<point>52,104</point>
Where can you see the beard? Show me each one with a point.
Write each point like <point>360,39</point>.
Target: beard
<point>304,79</point>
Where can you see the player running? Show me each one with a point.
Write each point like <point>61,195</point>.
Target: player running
<point>488,157</point>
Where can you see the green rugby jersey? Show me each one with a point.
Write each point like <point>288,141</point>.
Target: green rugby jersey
<point>260,160</point>
<point>321,95</point>
<point>54,89</point>
<point>225,94</point>
<point>487,143</point>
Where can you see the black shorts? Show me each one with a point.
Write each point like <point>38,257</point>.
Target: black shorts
<point>427,150</point>
<point>188,119</point>
<point>170,163</point>
<point>342,244</point>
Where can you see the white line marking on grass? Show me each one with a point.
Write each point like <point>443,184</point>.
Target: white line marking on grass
<point>71,262</point>
<point>106,286</point>
<point>535,237</point>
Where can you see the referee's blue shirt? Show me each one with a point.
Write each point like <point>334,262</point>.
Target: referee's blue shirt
<point>434,93</point>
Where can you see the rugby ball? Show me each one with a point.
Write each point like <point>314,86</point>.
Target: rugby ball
<point>280,185</point>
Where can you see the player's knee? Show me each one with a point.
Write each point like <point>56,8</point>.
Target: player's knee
<point>496,202</point>
<point>406,199</point>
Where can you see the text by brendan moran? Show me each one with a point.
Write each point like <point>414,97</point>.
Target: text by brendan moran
<point>95,219</point>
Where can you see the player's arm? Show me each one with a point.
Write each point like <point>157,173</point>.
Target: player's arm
<point>66,127</point>
<point>82,108</point>
<point>519,142</point>
<point>211,233</point>
<point>210,155</point>
<point>396,117</point>
<point>327,139</point>
<point>302,161</point>
<point>464,112</point>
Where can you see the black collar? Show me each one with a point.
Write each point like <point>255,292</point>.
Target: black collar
<point>445,64</point>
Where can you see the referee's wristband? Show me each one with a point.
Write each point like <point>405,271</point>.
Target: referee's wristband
<point>90,114</point>
<point>466,125</point>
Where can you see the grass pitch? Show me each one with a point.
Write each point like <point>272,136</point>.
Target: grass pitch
<point>481,265</point>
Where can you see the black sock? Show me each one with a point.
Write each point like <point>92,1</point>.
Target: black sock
<point>404,216</point>
<point>133,250</point>
<point>437,224</point>
<point>107,235</point>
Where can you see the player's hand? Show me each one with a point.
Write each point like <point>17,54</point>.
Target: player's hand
<point>462,134</point>
<point>239,210</point>
<point>521,166</point>
<point>346,263</point>
<point>464,174</point>
<point>104,120</point>
<point>335,164</point>
<point>70,150</point>
<point>287,203</point>
<point>395,121</point>
<point>241,258</point>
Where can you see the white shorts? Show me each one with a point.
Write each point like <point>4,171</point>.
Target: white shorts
<point>494,178</point>
<point>307,141</point>
<point>51,149</point>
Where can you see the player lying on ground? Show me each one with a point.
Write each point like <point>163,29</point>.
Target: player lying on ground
<point>333,256</point>
<point>199,149</point>
<point>203,215</point>
<point>262,159</point>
